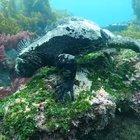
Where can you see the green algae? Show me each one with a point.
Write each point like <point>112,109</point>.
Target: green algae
<point>132,31</point>
<point>20,110</point>
<point>112,72</point>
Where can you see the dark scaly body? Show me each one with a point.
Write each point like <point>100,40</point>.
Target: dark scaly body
<point>60,46</point>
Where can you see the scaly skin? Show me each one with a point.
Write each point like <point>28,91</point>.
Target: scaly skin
<point>60,46</point>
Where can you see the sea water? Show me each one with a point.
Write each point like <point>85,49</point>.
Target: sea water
<point>103,12</point>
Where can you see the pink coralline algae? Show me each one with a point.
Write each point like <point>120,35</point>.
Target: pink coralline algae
<point>11,41</point>
<point>8,42</point>
<point>17,84</point>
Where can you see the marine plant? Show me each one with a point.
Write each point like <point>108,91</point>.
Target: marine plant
<point>8,42</point>
<point>28,15</point>
<point>25,106</point>
<point>8,25</point>
<point>11,41</point>
<point>22,110</point>
<point>114,73</point>
<point>132,31</point>
<point>9,48</point>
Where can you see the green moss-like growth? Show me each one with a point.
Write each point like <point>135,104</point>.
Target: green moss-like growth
<point>19,112</point>
<point>132,31</point>
<point>8,25</point>
<point>114,72</point>
<point>33,15</point>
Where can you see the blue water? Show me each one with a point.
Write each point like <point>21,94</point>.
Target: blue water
<point>103,12</point>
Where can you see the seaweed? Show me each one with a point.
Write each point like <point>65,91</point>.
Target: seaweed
<point>31,15</point>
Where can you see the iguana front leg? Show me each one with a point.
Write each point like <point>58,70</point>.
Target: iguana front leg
<point>67,65</point>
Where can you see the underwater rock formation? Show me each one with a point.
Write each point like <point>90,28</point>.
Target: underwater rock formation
<point>45,118</point>
<point>135,104</point>
<point>101,113</point>
<point>59,47</point>
<point>100,83</point>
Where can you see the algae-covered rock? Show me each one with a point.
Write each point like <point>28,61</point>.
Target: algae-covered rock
<point>106,83</point>
<point>34,112</point>
<point>35,109</point>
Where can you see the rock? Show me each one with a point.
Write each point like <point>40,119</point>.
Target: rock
<point>100,115</point>
<point>35,108</point>
<point>82,82</point>
<point>103,109</point>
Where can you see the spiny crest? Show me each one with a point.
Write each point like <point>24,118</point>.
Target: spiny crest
<point>23,44</point>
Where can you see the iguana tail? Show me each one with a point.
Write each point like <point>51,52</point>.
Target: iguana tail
<point>124,42</point>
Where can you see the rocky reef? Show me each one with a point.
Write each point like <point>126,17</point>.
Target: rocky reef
<point>101,94</point>
<point>106,87</point>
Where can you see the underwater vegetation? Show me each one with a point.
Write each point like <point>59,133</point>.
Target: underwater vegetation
<point>78,81</point>
<point>9,47</point>
<point>32,16</point>
<point>106,85</point>
<point>34,109</point>
<point>20,20</point>
<point>132,31</point>
<point>8,26</point>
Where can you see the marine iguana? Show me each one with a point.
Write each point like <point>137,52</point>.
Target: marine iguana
<point>59,47</point>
